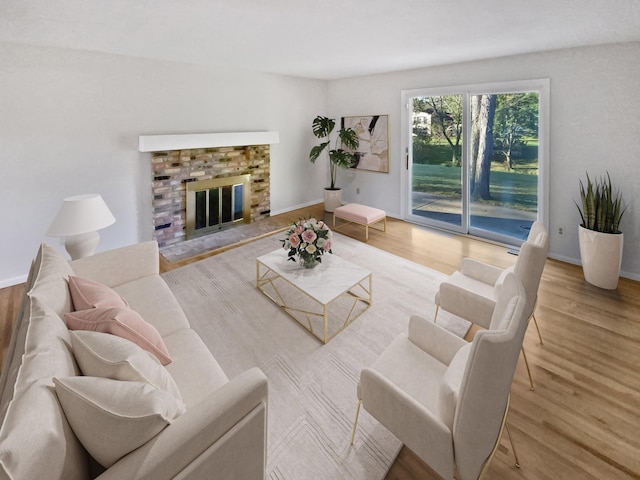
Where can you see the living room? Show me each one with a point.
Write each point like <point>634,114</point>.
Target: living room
<point>72,118</point>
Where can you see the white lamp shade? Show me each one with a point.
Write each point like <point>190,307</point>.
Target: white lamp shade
<point>81,214</point>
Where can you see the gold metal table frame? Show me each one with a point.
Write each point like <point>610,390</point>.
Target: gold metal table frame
<point>334,280</point>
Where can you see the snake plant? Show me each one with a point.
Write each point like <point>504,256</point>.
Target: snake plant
<point>601,208</point>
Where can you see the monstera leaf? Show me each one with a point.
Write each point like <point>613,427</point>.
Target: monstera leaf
<point>317,151</point>
<point>323,126</point>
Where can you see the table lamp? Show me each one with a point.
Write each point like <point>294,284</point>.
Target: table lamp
<point>78,219</point>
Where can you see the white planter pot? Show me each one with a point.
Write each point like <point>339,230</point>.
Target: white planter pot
<point>601,256</point>
<point>332,199</point>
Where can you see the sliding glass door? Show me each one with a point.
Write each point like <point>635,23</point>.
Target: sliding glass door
<point>476,158</point>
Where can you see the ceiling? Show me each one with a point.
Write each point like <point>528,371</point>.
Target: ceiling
<point>324,39</point>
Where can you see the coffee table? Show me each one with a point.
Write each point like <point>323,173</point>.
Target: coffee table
<point>324,300</point>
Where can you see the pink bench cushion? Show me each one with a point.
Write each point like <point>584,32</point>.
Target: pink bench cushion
<point>359,213</point>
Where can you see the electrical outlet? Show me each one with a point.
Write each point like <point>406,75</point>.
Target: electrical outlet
<point>561,231</point>
<point>358,190</point>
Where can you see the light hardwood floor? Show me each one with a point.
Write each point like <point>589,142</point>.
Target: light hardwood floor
<point>583,419</point>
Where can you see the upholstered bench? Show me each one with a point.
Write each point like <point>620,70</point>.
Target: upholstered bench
<point>360,214</point>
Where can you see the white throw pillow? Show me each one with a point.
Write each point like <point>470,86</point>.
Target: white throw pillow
<point>110,356</point>
<point>450,385</point>
<point>112,418</point>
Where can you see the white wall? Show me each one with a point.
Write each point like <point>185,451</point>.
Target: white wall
<point>69,124</point>
<point>595,120</point>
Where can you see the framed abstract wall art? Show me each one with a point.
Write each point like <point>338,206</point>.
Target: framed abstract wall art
<point>373,133</point>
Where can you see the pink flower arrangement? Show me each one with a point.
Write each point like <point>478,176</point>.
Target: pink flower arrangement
<point>307,240</point>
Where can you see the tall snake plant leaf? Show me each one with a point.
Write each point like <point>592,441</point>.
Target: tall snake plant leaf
<point>590,206</point>
<point>618,211</point>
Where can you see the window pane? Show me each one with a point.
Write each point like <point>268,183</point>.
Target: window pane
<point>503,165</point>
<point>436,183</point>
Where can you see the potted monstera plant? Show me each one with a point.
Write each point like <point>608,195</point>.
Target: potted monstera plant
<point>322,128</point>
<point>600,238</point>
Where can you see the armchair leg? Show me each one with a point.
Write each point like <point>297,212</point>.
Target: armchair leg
<point>355,422</point>
<point>535,322</point>
<point>513,447</point>
<point>526,362</point>
<point>504,425</point>
<point>435,316</point>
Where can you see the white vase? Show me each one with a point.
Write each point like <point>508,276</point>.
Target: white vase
<point>601,256</point>
<point>332,199</point>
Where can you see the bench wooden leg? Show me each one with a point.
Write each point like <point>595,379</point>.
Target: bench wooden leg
<point>365,225</point>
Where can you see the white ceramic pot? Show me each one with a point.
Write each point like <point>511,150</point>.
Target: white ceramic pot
<point>601,256</point>
<point>332,199</point>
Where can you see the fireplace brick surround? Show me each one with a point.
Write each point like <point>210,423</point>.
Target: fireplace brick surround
<point>171,170</point>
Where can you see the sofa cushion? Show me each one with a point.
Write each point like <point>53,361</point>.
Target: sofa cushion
<point>36,440</point>
<point>121,265</point>
<point>153,300</point>
<point>111,418</point>
<point>109,356</point>
<point>87,293</point>
<point>194,368</point>
<point>125,323</point>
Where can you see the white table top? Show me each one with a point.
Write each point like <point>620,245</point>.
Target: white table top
<point>325,282</point>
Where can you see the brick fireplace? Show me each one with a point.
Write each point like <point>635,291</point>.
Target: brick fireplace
<point>173,169</point>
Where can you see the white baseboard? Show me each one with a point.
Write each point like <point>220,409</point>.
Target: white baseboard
<point>565,259</point>
<point>629,275</point>
<point>9,282</point>
<point>295,207</point>
<point>576,261</point>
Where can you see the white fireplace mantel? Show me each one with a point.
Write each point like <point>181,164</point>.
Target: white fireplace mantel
<point>159,143</point>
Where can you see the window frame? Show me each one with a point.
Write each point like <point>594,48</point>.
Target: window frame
<point>541,86</point>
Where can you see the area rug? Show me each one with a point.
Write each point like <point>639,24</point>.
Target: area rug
<point>312,387</point>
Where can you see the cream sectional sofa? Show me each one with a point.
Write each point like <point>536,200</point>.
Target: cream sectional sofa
<point>220,435</point>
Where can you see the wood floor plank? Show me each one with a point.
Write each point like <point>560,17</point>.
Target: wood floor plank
<point>582,420</point>
<point>10,299</point>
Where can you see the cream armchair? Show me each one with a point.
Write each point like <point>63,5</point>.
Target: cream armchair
<point>444,398</point>
<point>471,293</point>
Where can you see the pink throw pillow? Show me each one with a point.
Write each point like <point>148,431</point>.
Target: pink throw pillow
<point>87,294</point>
<point>123,322</point>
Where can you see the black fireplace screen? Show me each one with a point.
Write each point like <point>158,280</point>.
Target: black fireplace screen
<point>217,204</point>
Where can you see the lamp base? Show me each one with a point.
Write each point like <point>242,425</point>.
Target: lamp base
<point>83,245</point>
